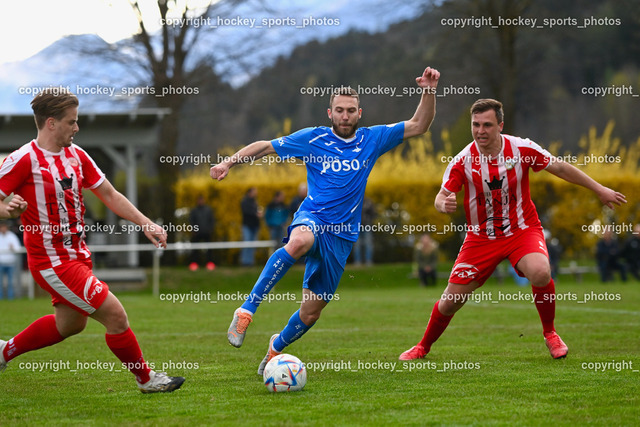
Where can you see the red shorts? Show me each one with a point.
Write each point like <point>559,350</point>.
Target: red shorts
<point>73,284</point>
<point>479,256</point>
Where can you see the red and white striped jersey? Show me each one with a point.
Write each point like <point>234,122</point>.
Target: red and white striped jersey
<point>497,201</point>
<point>51,184</point>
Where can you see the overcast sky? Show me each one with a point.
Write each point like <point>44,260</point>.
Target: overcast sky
<point>29,26</point>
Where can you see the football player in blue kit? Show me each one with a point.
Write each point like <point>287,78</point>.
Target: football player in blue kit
<point>338,161</point>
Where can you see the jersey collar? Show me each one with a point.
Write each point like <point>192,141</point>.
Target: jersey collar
<point>353,138</point>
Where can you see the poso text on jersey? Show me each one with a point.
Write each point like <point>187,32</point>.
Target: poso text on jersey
<point>337,170</point>
<point>343,165</point>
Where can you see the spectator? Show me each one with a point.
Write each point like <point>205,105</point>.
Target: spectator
<point>202,220</point>
<point>631,252</point>
<point>297,200</point>
<point>608,256</point>
<point>293,208</point>
<point>425,257</point>
<point>276,216</point>
<point>365,240</point>
<point>9,244</point>
<point>555,251</point>
<point>251,214</point>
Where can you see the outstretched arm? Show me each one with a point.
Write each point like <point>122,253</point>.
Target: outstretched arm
<point>426,110</point>
<point>249,153</point>
<point>574,175</point>
<point>122,207</point>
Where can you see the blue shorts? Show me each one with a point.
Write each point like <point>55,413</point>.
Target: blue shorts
<point>326,258</point>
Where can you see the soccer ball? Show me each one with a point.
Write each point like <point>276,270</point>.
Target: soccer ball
<point>285,373</point>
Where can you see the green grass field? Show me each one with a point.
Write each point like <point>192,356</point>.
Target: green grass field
<point>490,367</point>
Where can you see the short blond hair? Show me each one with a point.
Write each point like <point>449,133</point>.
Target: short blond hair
<point>344,91</point>
<point>52,102</point>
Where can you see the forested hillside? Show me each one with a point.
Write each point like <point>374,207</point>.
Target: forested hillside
<point>559,67</point>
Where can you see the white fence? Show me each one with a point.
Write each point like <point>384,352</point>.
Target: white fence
<point>157,255</point>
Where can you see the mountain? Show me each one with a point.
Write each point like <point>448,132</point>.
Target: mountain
<point>257,94</point>
<point>552,69</point>
<point>60,64</point>
<point>104,85</point>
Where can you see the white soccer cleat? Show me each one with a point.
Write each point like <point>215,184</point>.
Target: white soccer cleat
<point>160,382</point>
<point>3,363</point>
<point>238,327</point>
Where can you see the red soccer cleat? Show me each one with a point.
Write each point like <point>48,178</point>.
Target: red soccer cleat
<point>556,346</point>
<point>415,352</point>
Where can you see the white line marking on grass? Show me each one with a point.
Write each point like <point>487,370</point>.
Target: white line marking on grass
<point>565,307</point>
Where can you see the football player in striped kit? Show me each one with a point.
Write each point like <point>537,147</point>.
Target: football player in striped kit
<point>46,177</point>
<point>502,222</point>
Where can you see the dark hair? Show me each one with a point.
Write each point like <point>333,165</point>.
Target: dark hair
<point>52,102</point>
<point>482,105</point>
<point>344,90</point>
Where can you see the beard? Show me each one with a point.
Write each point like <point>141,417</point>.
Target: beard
<point>344,133</point>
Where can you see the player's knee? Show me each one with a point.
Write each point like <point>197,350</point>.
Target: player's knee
<point>540,276</point>
<point>455,296</point>
<point>541,279</point>
<point>449,306</point>
<point>299,245</point>
<point>118,322</point>
<point>309,318</point>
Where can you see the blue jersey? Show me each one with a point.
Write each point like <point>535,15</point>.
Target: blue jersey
<point>337,171</point>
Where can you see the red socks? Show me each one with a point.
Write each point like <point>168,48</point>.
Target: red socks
<point>39,334</point>
<point>43,333</point>
<point>438,322</point>
<point>545,301</point>
<point>545,304</point>
<point>125,347</point>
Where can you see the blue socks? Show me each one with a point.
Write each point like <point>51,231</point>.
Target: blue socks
<point>273,271</point>
<point>294,330</point>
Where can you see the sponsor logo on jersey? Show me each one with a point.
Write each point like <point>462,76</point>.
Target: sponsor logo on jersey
<point>92,287</point>
<point>542,246</point>
<point>66,183</point>
<point>495,184</point>
<point>509,163</point>
<point>465,271</point>
<point>342,165</point>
